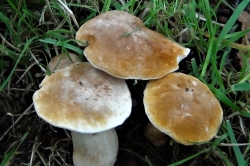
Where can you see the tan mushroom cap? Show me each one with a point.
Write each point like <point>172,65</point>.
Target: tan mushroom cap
<point>183,107</point>
<point>121,45</point>
<point>82,98</point>
<point>154,135</point>
<point>62,60</point>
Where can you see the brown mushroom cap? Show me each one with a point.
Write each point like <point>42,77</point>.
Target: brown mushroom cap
<point>154,135</point>
<point>121,45</point>
<point>82,98</point>
<point>62,60</point>
<point>183,107</point>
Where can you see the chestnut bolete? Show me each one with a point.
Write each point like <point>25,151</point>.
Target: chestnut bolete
<point>121,45</point>
<point>82,98</point>
<point>154,135</point>
<point>183,107</point>
<point>90,103</point>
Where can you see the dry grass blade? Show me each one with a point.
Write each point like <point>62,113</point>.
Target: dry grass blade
<point>16,122</point>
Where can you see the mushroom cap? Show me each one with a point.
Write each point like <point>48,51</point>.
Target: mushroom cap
<point>122,46</point>
<point>154,135</point>
<point>183,107</point>
<point>99,149</point>
<point>62,60</point>
<point>82,98</point>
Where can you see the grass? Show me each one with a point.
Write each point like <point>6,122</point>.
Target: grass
<point>32,32</point>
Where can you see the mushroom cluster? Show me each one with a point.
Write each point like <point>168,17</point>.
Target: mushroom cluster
<point>92,98</point>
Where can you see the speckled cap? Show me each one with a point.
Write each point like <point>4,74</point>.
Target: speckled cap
<point>82,98</point>
<point>183,107</point>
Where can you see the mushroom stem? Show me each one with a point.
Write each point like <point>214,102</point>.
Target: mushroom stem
<point>98,149</point>
<point>154,135</point>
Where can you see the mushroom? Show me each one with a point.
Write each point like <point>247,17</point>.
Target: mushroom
<point>121,45</point>
<point>183,107</point>
<point>99,149</point>
<point>84,100</point>
<point>62,60</point>
<point>155,136</point>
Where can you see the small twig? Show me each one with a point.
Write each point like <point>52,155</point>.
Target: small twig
<point>232,115</point>
<point>33,64</point>
<point>37,62</point>
<point>2,73</point>
<point>9,44</point>
<point>18,119</point>
<point>180,33</point>
<point>35,146</point>
<point>13,29</point>
<point>14,115</point>
<point>69,12</point>
<point>61,24</point>
<point>122,2</point>
<point>40,156</point>
<point>242,126</point>
<point>59,155</point>
<point>144,13</point>
<point>67,134</point>
<point>56,49</point>
<point>8,86</point>
<point>201,17</point>
<point>33,151</point>
<point>18,8</point>
<point>50,10</point>
<point>41,20</point>
<point>239,144</point>
<point>18,89</point>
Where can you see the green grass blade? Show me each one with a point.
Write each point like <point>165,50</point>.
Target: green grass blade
<point>237,152</point>
<point>224,99</point>
<point>211,52</point>
<point>241,87</point>
<point>215,143</point>
<point>70,47</point>
<point>7,21</point>
<point>224,58</point>
<point>9,155</point>
<point>236,35</point>
<point>48,40</point>
<point>188,158</point>
<point>194,67</point>
<point>62,44</point>
<point>106,6</point>
<point>17,62</point>
<point>224,157</point>
<point>232,20</point>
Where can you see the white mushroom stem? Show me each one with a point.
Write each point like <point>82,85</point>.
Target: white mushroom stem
<point>154,135</point>
<point>99,149</point>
